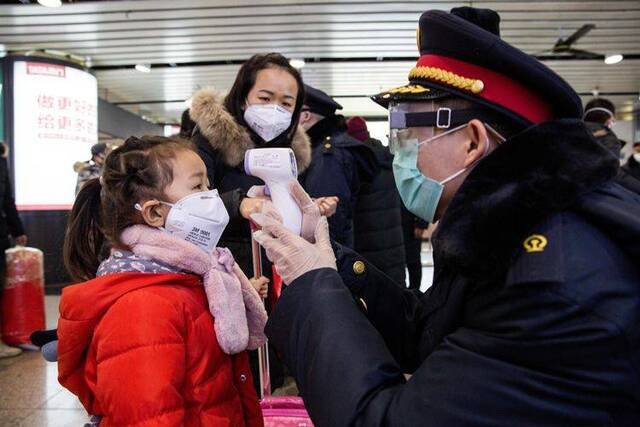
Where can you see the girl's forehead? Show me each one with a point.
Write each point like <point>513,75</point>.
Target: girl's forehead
<point>187,159</point>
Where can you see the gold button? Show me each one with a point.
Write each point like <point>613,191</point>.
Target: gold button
<point>328,138</point>
<point>327,145</point>
<point>477,86</point>
<point>358,267</point>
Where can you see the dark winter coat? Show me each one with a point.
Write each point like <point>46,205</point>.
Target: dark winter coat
<point>629,175</point>
<point>10,223</point>
<point>222,144</point>
<point>533,318</point>
<point>377,220</point>
<point>339,166</point>
<point>409,224</point>
<point>605,136</point>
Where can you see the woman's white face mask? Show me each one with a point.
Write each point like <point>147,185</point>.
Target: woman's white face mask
<point>267,120</point>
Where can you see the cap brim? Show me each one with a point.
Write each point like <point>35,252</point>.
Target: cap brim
<point>429,90</point>
<point>407,93</point>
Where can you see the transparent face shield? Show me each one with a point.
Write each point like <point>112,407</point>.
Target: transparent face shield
<point>407,136</point>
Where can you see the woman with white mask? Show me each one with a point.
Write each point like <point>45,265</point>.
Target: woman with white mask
<point>261,110</point>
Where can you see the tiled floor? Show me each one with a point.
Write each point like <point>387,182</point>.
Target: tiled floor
<point>30,395</point>
<point>29,391</point>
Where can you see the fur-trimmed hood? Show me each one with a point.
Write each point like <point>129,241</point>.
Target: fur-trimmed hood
<point>231,139</point>
<point>542,170</point>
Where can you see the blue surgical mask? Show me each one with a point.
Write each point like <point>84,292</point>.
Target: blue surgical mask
<point>420,194</point>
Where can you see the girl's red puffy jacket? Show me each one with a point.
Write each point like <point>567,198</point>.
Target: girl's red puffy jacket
<point>140,349</point>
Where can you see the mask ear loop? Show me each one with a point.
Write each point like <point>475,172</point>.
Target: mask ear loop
<point>501,138</point>
<point>138,207</point>
<point>484,154</point>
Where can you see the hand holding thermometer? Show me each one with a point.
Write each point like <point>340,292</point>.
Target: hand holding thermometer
<point>277,168</point>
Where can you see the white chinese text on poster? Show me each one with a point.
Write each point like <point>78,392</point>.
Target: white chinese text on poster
<point>55,125</point>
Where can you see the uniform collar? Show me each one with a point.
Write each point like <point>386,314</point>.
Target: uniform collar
<point>324,128</point>
<point>534,174</point>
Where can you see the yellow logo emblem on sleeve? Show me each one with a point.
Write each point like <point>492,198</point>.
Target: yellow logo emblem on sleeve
<point>535,243</point>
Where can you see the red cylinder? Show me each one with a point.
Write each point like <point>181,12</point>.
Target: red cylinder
<point>275,288</point>
<point>23,296</point>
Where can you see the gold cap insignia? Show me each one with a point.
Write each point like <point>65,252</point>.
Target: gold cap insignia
<point>535,243</point>
<point>407,89</point>
<point>443,76</point>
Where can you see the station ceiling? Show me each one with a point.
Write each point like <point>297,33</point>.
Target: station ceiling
<point>352,49</point>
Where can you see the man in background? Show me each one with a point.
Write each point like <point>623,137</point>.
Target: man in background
<point>91,168</point>
<point>377,221</point>
<point>340,164</point>
<point>10,227</point>
<point>629,175</point>
<point>599,117</point>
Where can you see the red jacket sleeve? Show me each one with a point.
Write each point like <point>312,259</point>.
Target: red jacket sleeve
<point>141,361</point>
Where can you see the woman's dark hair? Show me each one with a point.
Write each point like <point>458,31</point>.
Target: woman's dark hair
<point>236,99</point>
<point>186,125</point>
<point>138,170</point>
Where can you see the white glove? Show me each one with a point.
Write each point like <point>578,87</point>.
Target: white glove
<point>292,255</point>
<point>310,209</point>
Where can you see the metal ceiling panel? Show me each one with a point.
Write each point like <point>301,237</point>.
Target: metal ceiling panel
<point>192,33</point>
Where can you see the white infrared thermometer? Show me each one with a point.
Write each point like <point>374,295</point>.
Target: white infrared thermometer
<point>277,168</point>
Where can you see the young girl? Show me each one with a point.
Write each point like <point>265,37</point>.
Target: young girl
<point>157,334</point>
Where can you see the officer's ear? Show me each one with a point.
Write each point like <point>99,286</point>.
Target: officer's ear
<point>305,116</point>
<point>476,143</point>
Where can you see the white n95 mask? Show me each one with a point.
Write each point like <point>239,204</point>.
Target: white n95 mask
<point>198,218</point>
<point>267,120</point>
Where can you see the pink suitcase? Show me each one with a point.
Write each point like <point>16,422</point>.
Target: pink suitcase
<point>277,411</point>
<point>286,411</point>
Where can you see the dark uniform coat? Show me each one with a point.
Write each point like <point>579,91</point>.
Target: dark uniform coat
<point>533,318</point>
<point>629,175</point>
<point>339,165</point>
<point>412,246</point>
<point>378,234</point>
<point>605,136</point>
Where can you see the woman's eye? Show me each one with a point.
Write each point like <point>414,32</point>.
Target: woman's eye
<point>264,98</point>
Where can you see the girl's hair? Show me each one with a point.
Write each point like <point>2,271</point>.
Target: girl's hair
<point>236,99</point>
<point>137,171</point>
